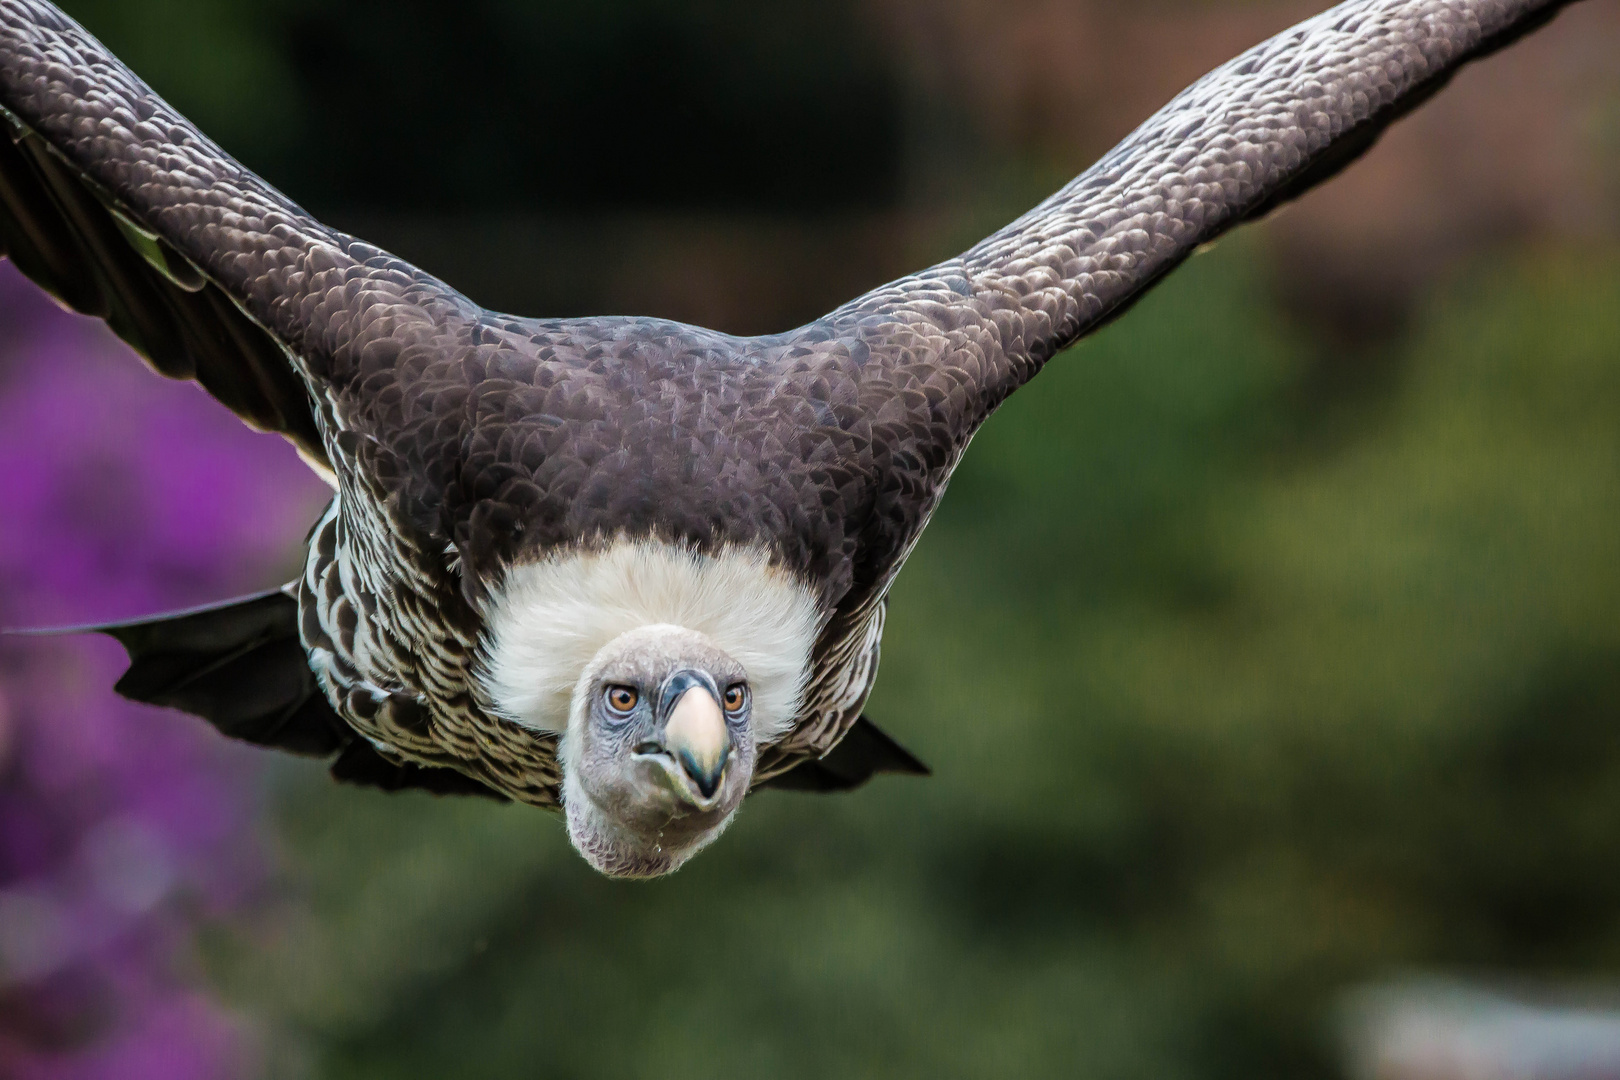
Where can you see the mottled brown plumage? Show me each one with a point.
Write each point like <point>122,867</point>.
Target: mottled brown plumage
<point>465,441</point>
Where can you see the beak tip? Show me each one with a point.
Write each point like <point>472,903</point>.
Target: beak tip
<point>707,780</point>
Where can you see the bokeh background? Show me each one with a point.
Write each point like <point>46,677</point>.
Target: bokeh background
<point>1266,647</point>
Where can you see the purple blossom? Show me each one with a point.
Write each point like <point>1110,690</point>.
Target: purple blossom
<point>121,826</point>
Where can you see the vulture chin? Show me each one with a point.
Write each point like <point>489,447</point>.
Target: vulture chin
<point>624,567</point>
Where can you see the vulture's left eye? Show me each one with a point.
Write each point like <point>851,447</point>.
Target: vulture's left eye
<point>736,697</point>
<point>621,699</point>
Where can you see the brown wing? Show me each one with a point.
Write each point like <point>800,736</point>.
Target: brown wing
<point>926,359</point>
<point>75,241</point>
<point>1254,133</point>
<point>119,207</point>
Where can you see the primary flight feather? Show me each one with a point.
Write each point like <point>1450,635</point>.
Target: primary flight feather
<point>624,566</point>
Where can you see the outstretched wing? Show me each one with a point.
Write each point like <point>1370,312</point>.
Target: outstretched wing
<point>1252,134</point>
<point>926,359</point>
<point>119,207</point>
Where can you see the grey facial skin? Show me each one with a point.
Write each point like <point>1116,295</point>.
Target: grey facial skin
<point>660,764</point>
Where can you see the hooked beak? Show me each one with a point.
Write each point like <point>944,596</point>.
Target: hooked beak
<point>695,734</point>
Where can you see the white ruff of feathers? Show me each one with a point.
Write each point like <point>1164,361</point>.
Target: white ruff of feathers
<point>551,618</point>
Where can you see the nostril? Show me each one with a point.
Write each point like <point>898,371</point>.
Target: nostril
<point>649,748</point>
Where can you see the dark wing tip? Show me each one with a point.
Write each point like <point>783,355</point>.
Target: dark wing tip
<point>240,666</point>
<point>862,753</point>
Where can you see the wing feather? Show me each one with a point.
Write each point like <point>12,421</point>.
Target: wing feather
<point>121,209</point>
<point>1252,134</point>
<point>929,357</point>
<point>96,260</point>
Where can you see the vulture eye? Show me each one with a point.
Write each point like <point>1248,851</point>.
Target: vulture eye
<point>621,699</point>
<point>736,697</point>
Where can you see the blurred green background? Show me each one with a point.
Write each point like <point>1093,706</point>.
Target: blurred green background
<point>1266,644</point>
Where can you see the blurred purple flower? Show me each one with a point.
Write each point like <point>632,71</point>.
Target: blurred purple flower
<point>121,827</point>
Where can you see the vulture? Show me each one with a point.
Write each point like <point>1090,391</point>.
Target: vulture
<point>622,567</point>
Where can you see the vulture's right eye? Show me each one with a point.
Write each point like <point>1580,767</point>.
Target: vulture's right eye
<point>621,699</point>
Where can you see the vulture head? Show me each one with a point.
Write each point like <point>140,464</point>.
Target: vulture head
<point>664,672</point>
<point>659,751</point>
